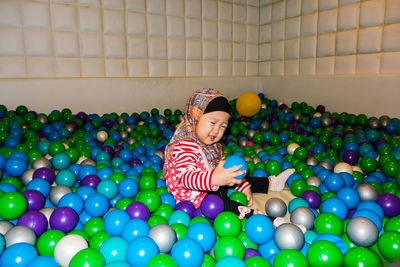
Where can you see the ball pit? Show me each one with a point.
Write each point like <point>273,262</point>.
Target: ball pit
<point>84,189</point>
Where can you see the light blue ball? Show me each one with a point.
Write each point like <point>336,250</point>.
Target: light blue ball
<point>203,233</point>
<point>187,252</point>
<point>115,221</point>
<point>140,250</point>
<point>114,249</point>
<point>135,228</point>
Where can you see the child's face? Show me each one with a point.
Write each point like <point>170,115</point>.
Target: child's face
<point>211,127</point>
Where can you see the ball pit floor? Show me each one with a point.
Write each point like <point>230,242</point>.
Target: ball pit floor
<point>86,190</point>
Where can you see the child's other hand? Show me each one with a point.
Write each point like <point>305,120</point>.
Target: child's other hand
<point>222,176</point>
<point>249,196</point>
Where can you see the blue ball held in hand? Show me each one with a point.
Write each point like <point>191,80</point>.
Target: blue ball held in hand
<point>232,161</point>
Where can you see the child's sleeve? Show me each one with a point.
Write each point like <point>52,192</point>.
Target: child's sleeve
<point>243,187</point>
<point>189,175</point>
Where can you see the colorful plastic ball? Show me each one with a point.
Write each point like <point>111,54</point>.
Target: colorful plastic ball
<point>18,255</point>
<point>20,234</point>
<point>367,192</point>
<point>290,257</point>
<point>169,199</point>
<point>48,241</point>
<point>312,198</point>
<point>12,205</point>
<point>359,256</point>
<point>15,167</point>
<point>303,216</point>
<point>63,219</point>
<point>164,236</point>
<point>44,173</point>
<point>35,220</point>
<point>43,261</point>
<point>108,188</point>
<point>390,204</point>
<point>328,223</point>
<point>369,214</point>
<point>96,205</point>
<point>211,206</point>
<point>67,247</point>
<point>255,261</point>
<point>163,260</point>
<point>389,245</point>
<point>87,257</point>
<point>128,188</point>
<point>97,240</point>
<point>40,185</point>
<point>140,250</point>
<point>248,104</point>
<point>114,249</point>
<point>115,221</point>
<point>35,199</point>
<point>335,206</point>
<point>61,161</point>
<point>179,216</point>
<point>228,246</point>
<point>233,161</point>
<point>66,177</point>
<point>203,234</point>
<point>297,187</point>
<point>288,236</point>
<point>297,202</point>
<point>324,253</point>
<point>58,192</point>
<point>73,201</point>
<point>138,210</point>
<point>393,224</point>
<point>368,164</point>
<point>362,231</point>
<point>259,229</point>
<point>151,199</point>
<point>186,206</point>
<point>273,167</point>
<point>230,261</point>
<point>350,157</point>
<point>334,182</point>
<point>227,224</point>
<point>372,206</point>
<point>275,207</point>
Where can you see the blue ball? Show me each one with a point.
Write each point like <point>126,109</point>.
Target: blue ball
<point>86,170</point>
<point>104,173</point>
<point>41,185</point>
<point>268,249</point>
<point>108,188</point>
<point>232,161</point>
<point>115,221</point>
<point>334,182</point>
<point>19,155</point>
<point>140,250</point>
<point>179,216</point>
<point>17,255</point>
<point>3,161</point>
<point>339,242</point>
<point>304,249</point>
<point>230,261</point>
<point>169,199</point>
<point>350,197</point>
<point>336,206</point>
<point>259,173</point>
<point>66,177</point>
<point>2,244</point>
<point>44,261</point>
<point>61,161</point>
<point>96,205</point>
<point>373,206</point>
<point>203,233</point>
<point>85,191</point>
<point>114,249</point>
<point>187,252</point>
<point>135,228</point>
<point>297,202</point>
<point>348,179</point>
<point>322,174</point>
<point>73,201</point>
<point>128,188</point>
<point>15,167</point>
<point>309,236</point>
<point>259,229</point>
<point>369,214</point>
<point>6,188</point>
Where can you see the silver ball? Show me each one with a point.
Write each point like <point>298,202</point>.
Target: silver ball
<point>374,124</point>
<point>311,161</point>
<point>288,236</point>
<point>129,128</point>
<point>326,165</point>
<point>256,160</point>
<point>326,122</point>
<point>41,163</point>
<point>246,158</point>
<point>20,234</point>
<point>70,128</point>
<point>314,180</point>
<point>162,120</point>
<point>88,162</point>
<point>58,192</point>
<point>160,154</point>
<point>362,231</point>
<point>297,116</point>
<point>27,176</point>
<point>243,142</point>
<point>250,134</point>
<point>42,119</point>
<point>367,192</point>
<point>131,140</point>
<point>164,236</point>
<point>5,226</point>
<point>303,216</point>
<point>275,207</point>
<point>121,120</point>
<point>264,126</point>
<point>124,135</point>
<point>258,150</point>
<point>47,212</point>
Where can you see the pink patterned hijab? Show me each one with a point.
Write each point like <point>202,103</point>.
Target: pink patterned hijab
<point>187,127</point>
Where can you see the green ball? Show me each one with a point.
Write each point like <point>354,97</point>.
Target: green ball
<point>47,242</point>
<point>87,257</point>
<point>12,205</point>
<point>180,230</point>
<point>337,143</point>
<point>324,253</point>
<point>98,239</point>
<point>227,224</point>
<point>147,182</point>
<point>208,261</point>
<point>123,203</point>
<point>297,187</point>
<point>164,211</point>
<point>359,256</point>
<point>301,153</point>
<point>247,243</point>
<point>117,177</point>
<point>156,220</point>
<point>273,167</point>
<point>239,197</point>
<point>393,224</point>
<point>389,245</point>
<point>256,261</point>
<point>56,147</point>
<point>199,219</point>
<point>94,226</point>
<point>368,164</point>
<point>290,257</point>
<point>328,223</point>
<point>229,246</point>
<point>151,199</point>
<point>162,260</point>
<point>346,239</point>
<point>391,168</point>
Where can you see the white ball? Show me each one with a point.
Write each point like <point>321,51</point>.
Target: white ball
<point>102,136</point>
<point>356,169</point>
<point>67,248</point>
<point>291,148</point>
<point>343,167</point>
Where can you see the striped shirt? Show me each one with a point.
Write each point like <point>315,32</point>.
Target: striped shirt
<point>188,174</point>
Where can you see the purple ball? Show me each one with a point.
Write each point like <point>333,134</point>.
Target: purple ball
<point>81,116</point>
<point>186,206</point>
<point>108,123</point>
<point>251,252</point>
<point>138,210</point>
<point>389,203</point>
<point>350,157</point>
<point>134,162</point>
<point>44,173</point>
<point>198,213</point>
<point>35,220</point>
<point>35,199</point>
<point>108,149</point>
<point>90,180</point>
<point>320,109</point>
<point>351,213</point>
<point>211,206</point>
<point>312,198</point>
<point>63,219</point>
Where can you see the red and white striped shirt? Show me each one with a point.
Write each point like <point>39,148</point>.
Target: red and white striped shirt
<point>188,174</point>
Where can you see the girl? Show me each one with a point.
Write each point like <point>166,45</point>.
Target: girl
<point>194,162</point>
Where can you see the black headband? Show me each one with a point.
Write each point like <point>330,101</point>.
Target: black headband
<point>219,103</point>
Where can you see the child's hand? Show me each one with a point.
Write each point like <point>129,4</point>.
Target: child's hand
<point>249,196</point>
<point>222,176</point>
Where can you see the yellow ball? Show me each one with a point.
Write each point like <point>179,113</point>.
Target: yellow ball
<point>248,104</point>
<point>102,136</point>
